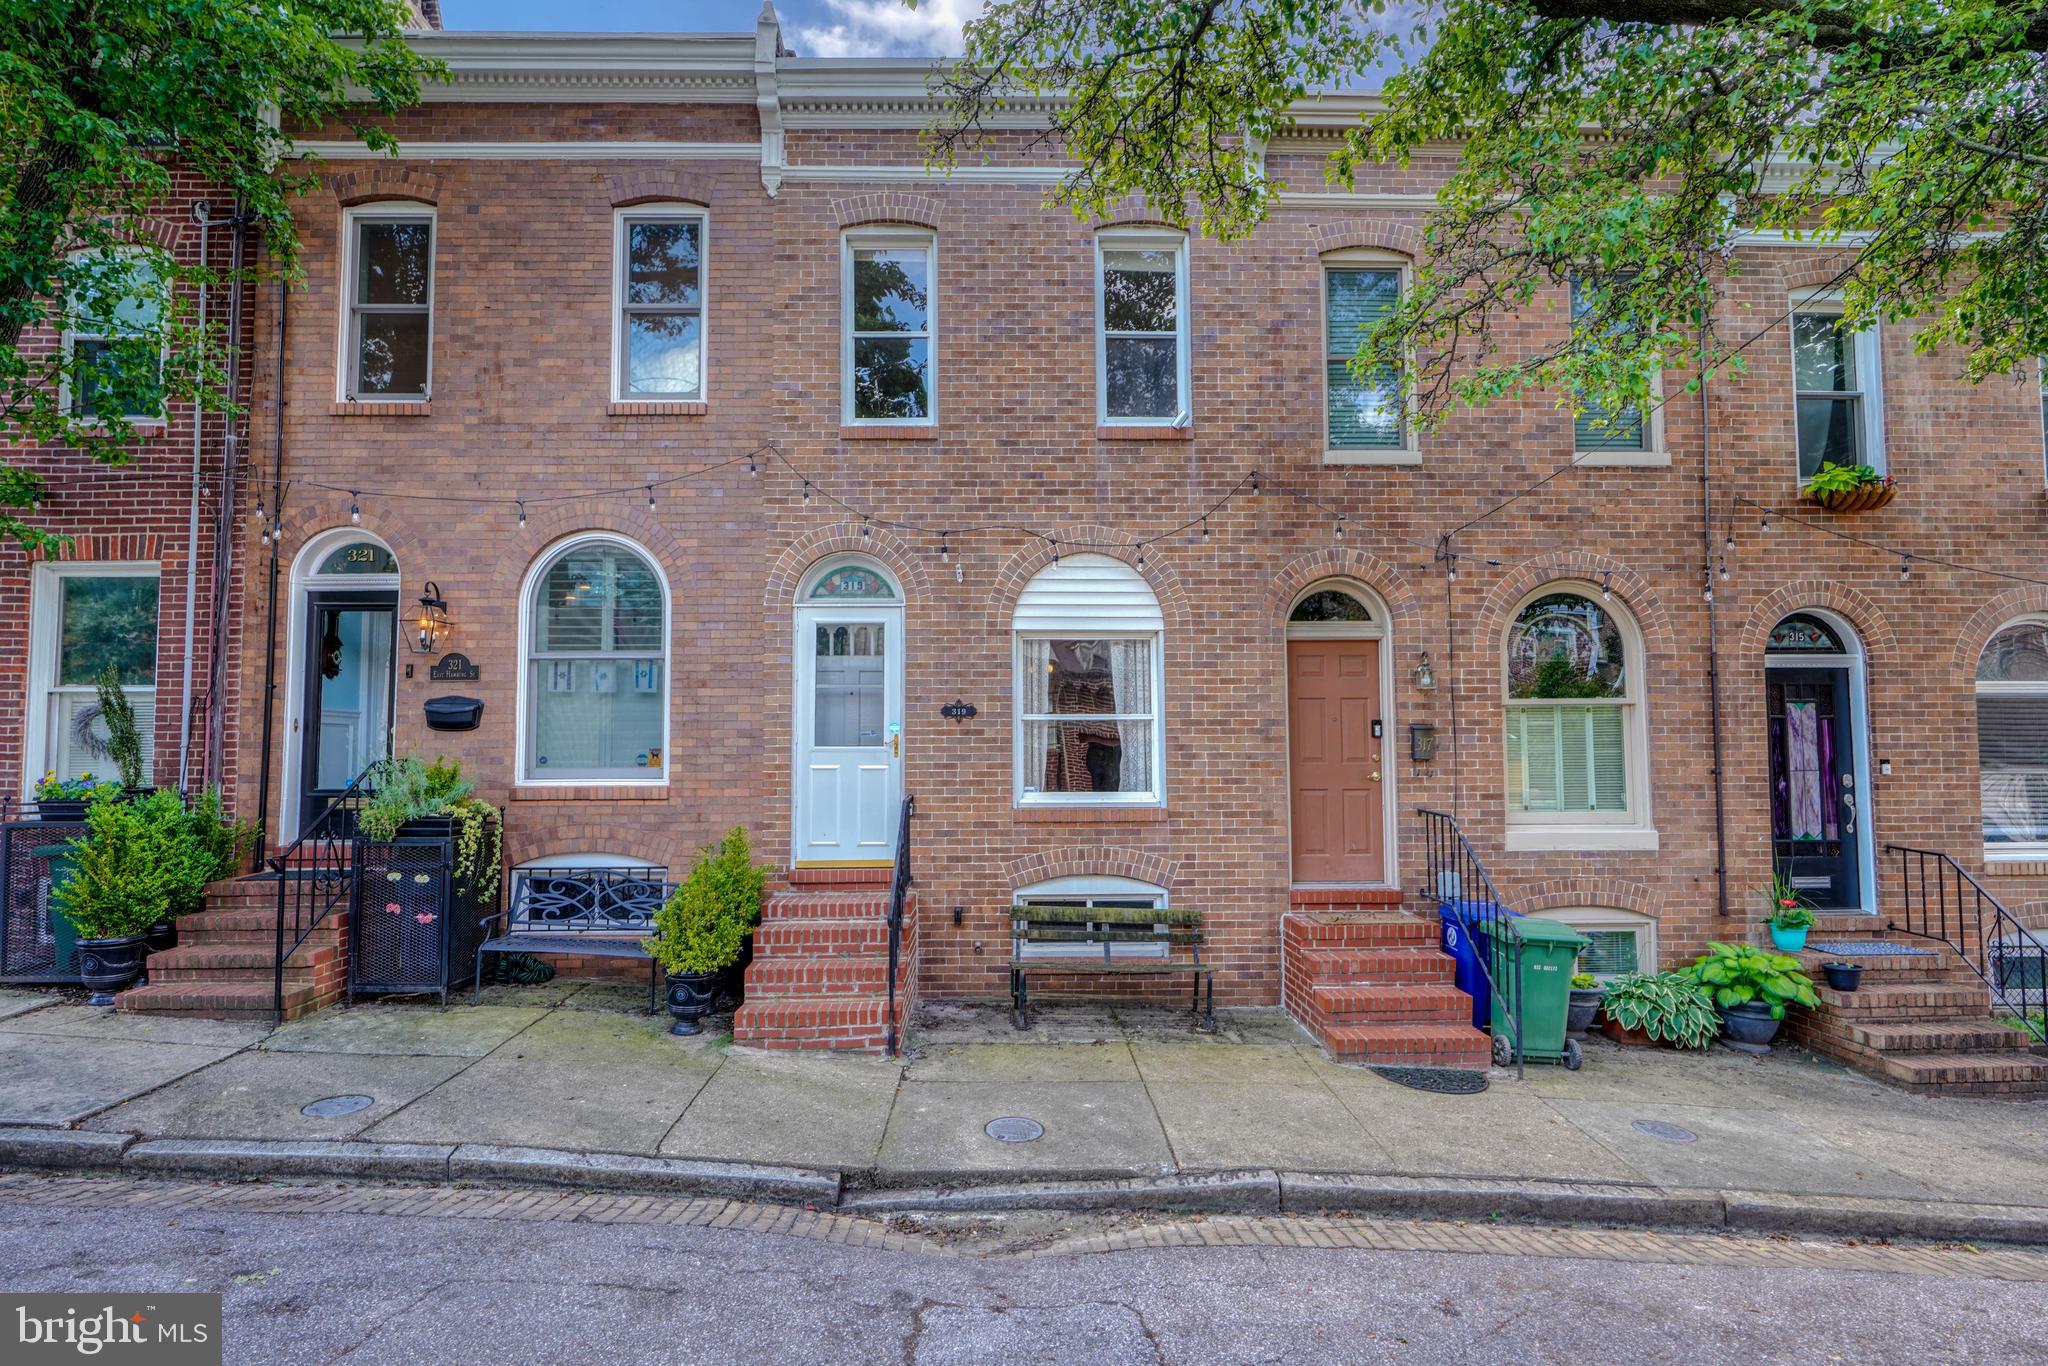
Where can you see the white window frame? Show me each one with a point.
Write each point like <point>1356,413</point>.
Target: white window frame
<point>536,574</point>
<point>46,625</point>
<point>889,239</point>
<point>1091,890</point>
<point>1608,918</point>
<point>1630,830</point>
<point>1144,239</point>
<point>661,213</point>
<point>2017,851</point>
<point>347,353</point>
<point>1870,370</point>
<point>1409,452</point>
<point>73,335</point>
<point>1157,795</point>
<point>1653,452</point>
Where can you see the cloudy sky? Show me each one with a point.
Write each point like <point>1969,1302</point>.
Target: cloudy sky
<point>815,28</point>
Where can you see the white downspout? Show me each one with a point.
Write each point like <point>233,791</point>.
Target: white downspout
<point>192,536</point>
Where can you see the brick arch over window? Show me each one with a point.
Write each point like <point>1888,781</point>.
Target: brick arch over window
<point>563,832</point>
<point>1382,233</point>
<point>628,188</point>
<point>1092,860</point>
<point>1133,211</point>
<point>322,512</point>
<point>1859,611</point>
<point>1993,617</point>
<point>386,182</point>
<point>1652,618</point>
<point>2031,914</point>
<point>100,546</point>
<point>1086,538</point>
<point>893,206</point>
<point>843,538</point>
<point>1814,273</point>
<point>548,525</point>
<point>1361,566</point>
<point>1564,893</point>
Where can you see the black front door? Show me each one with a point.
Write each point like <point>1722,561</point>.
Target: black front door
<point>1814,835</point>
<point>345,722</point>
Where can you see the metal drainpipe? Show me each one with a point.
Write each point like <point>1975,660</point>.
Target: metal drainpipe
<point>1713,647</point>
<point>201,216</point>
<point>214,766</point>
<point>270,631</point>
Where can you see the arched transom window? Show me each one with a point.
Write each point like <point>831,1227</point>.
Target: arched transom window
<point>596,680</point>
<point>1573,747</point>
<point>2012,741</point>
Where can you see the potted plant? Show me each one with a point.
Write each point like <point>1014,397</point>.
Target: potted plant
<point>1789,917</point>
<point>700,930</point>
<point>1659,1007</point>
<point>207,848</point>
<point>125,872</point>
<point>1751,988</point>
<point>1843,976</point>
<point>1586,993</point>
<point>65,799</point>
<point>1850,488</point>
<point>124,741</point>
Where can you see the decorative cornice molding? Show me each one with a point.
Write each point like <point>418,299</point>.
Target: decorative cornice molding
<point>606,149</point>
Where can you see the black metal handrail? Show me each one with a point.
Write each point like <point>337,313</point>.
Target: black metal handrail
<point>1453,872</point>
<point>1939,900</point>
<point>316,874</point>
<point>899,887</point>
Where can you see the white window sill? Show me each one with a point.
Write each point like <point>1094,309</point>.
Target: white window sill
<point>1639,839</point>
<point>1646,460</point>
<point>1372,457</point>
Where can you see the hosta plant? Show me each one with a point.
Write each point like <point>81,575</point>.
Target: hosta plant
<point>1741,974</point>
<point>1833,478</point>
<point>1664,1005</point>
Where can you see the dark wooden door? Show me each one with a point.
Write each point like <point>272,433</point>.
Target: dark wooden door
<point>1333,707</point>
<point>1814,835</point>
<point>345,719</point>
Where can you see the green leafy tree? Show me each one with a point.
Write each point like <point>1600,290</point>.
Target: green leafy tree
<point>102,102</point>
<point>1627,145</point>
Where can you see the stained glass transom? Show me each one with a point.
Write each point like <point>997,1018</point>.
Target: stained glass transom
<point>852,581</point>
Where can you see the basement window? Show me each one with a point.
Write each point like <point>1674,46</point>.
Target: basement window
<point>1084,894</point>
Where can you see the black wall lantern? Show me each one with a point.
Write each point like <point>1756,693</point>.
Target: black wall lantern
<point>433,624</point>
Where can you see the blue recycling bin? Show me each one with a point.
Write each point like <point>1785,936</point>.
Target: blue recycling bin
<point>1461,935</point>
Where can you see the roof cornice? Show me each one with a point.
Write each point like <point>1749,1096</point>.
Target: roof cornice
<point>612,67</point>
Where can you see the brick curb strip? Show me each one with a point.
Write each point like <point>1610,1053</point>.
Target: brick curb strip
<point>618,1171</point>
<point>23,1147</point>
<point>1849,1216</point>
<point>291,1157</point>
<point>1234,1192</point>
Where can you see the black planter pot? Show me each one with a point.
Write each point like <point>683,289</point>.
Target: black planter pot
<point>136,794</point>
<point>1749,1024</point>
<point>732,984</point>
<point>1585,1004</point>
<point>162,935</point>
<point>107,965</point>
<point>1843,976</point>
<point>692,996</point>
<point>61,811</point>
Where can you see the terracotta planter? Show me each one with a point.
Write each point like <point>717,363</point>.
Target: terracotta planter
<point>1864,498</point>
<point>1635,1038</point>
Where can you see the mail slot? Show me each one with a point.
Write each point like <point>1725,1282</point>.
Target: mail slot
<point>454,713</point>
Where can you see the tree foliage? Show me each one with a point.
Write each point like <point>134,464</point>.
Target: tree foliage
<point>1627,146</point>
<point>102,103</point>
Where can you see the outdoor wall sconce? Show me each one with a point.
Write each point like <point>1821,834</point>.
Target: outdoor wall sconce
<point>1424,674</point>
<point>433,624</point>
<point>1421,742</point>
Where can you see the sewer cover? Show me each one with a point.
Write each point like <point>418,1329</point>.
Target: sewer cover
<point>1015,1129</point>
<point>1670,1133</point>
<point>1444,1081</point>
<point>335,1106</point>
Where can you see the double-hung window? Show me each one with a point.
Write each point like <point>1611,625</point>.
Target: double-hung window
<point>1840,404</point>
<point>388,333</point>
<point>1365,410</point>
<point>2012,742</point>
<point>117,362</point>
<point>890,335</point>
<point>1573,726</point>
<point>1088,632</point>
<point>1141,309</point>
<point>658,340</point>
<point>1596,429</point>
<point>86,619</point>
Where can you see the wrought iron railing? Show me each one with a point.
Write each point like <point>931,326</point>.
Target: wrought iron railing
<point>1458,882</point>
<point>1938,899</point>
<point>899,888</point>
<point>316,874</point>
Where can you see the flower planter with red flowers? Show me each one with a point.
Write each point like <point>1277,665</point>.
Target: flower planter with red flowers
<point>1850,488</point>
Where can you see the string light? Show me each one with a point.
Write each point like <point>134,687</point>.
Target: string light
<point>807,493</point>
<point>1905,566</point>
<point>1606,585</point>
<point>1340,526</point>
<point>1141,557</point>
<point>1205,530</point>
<point>650,497</point>
<point>1728,546</point>
<point>864,527</point>
<point>1766,522</point>
<point>1255,481</point>
<point>1054,542</point>
<point>256,512</point>
<point>945,551</point>
<point>522,510</point>
<point>753,466</point>
<point>355,513</point>
<point>1724,569</point>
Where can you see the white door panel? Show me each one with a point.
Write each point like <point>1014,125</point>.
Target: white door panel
<point>848,697</point>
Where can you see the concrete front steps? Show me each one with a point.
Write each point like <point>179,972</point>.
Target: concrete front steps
<point>222,968</point>
<point>1373,988</point>
<point>820,975</point>
<point>1919,1021</point>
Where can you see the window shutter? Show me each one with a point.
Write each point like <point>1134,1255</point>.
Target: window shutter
<point>1087,593</point>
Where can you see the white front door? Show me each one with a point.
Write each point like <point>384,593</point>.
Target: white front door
<point>849,741</point>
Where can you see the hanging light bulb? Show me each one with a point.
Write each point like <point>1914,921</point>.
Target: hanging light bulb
<point>1606,586</point>
<point>650,497</point>
<point>522,510</point>
<point>264,537</point>
<point>1451,567</point>
<point>1728,546</point>
<point>1255,481</point>
<point>1205,528</point>
<point>807,493</point>
<point>1765,523</point>
<point>1340,526</point>
<point>1141,557</point>
<point>355,511</point>
<point>753,466</point>
<point>945,550</point>
<point>1905,567</point>
<point>1724,569</point>
<point>1054,541</point>
<point>864,528</point>
<point>256,512</point>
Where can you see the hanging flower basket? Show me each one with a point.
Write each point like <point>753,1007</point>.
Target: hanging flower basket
<point>1865,498</point>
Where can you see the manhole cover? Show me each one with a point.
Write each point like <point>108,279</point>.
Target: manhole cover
<point>1670,1133</point>
<point>1445,1081</point>
<point>335,1106</point>
<point>1015,1129</point>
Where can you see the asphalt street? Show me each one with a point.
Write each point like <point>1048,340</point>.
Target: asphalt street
<point>373,1289</point>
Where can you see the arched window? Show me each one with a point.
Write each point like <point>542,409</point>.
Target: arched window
<point>1574,748</point>
<point>596,669</point>
<point>2012,741</point>
<point>1088,685</point>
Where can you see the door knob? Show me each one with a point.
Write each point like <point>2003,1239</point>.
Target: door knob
<point>895,746</point>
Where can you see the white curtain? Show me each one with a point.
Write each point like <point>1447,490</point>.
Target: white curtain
<point>1130,677</point>
<point>1037,677</point>
<point>2012,805</point>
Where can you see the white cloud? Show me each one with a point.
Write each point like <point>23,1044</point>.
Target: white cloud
<point>885,28</point>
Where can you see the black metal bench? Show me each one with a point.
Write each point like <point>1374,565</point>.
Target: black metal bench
<point>587,912</point>
<point>1108,927</point>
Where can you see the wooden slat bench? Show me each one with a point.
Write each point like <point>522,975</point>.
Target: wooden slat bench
<point>580,912</point>
<point>1108,927</point>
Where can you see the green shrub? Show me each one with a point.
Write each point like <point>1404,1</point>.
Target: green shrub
<point>702,925</point>
<point>1664,1005</point>
<point>409,790</point>
<point>1737,974</point>
<point>124,741</point>
<point>128,868</point>
<point>217,848</point>
<point>1584,981</point>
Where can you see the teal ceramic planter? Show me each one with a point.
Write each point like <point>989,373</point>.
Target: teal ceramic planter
<point>1788,941</point>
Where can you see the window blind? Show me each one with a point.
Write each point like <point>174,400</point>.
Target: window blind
<point>1567,759</point>
<point>1609,953</point>
<point>1365,411</point>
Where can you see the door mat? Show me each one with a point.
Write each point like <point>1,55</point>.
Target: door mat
<point>1867,948</point>
<point>1444,1081</point>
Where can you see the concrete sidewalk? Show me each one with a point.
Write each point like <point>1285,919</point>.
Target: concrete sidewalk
<point>575,1066</point>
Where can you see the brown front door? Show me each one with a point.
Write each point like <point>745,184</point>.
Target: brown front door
<point>1333,703</point>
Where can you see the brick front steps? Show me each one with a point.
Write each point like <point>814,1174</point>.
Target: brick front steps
<point>1373,988</point>
<point>820,975</point>
<point>1920,1021</point>
<point>222,967</point>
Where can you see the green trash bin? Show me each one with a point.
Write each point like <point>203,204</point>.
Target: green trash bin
<point>63,934</point>
<point>1532,971</point>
